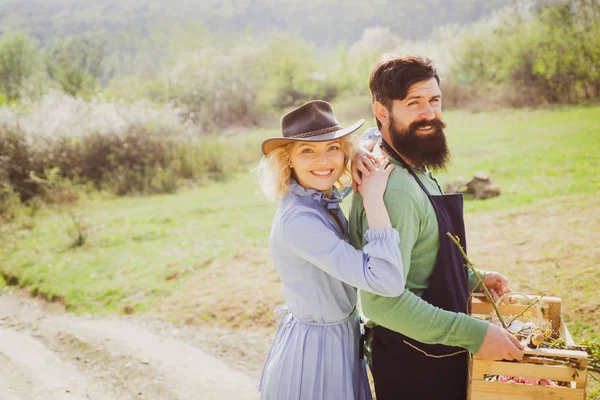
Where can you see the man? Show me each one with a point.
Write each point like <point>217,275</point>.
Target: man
<point>422,338</point>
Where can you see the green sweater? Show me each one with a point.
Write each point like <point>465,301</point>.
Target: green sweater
<point>412,214</point>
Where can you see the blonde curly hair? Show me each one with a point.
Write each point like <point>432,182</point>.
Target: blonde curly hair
<point>274,172</point>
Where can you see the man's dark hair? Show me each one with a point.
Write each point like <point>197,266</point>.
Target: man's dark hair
<point>393,75</point>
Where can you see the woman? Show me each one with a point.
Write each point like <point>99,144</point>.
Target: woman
<point>315,352</point>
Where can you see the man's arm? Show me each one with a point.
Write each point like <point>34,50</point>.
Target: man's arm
<point>408,313</point>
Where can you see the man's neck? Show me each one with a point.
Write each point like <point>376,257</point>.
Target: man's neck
<point>385,135</point>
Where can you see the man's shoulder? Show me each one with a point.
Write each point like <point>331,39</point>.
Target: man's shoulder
<point>402,181</point>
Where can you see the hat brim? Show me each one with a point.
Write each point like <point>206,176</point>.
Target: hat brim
<point>271,144</point>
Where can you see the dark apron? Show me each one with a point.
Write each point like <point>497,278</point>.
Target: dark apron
<point>400,370</point>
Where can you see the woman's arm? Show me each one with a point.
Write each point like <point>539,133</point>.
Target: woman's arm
<point>376,269</point>
<point>372,189</point>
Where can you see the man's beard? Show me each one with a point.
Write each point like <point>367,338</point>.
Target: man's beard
<point>426,150</point>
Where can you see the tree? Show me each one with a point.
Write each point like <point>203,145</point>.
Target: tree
<point>18,63</point>
<point>76,63</point>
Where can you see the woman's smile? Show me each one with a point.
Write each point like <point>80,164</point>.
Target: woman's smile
<point>323,173</point>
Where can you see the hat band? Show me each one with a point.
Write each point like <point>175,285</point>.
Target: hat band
<point>316,133</point>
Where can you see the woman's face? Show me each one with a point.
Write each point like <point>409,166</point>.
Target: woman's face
<point>317,165</point>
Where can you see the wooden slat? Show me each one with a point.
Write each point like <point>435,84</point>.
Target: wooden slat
<point>487,308</point>
<point>565,334</point>
<point>512,391</point>
<point>546,299</point>
<point>580,355</point>
<point>581,380</point>
<point>553,372</point>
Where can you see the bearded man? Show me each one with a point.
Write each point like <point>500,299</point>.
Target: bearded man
<point>420,341</point>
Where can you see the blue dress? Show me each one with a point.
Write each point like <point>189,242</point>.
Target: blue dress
<point>314,354</point>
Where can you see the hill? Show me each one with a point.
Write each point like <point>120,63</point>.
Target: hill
<point>324,23</point>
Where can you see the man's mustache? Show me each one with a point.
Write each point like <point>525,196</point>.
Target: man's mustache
<point>435,122</point>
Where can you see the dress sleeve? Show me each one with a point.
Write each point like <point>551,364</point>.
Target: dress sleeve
<point>377,269</point>
<point>370,134</point>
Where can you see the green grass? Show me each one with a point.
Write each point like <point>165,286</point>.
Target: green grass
<point>533,155</point>
<point>137,242</point>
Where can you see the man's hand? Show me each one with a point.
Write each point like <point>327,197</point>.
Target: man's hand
<point>362,164</point>
<point>499,344</point>
<point>498,285</point>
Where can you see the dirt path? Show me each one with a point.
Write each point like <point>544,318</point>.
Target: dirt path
<point>46,354</point>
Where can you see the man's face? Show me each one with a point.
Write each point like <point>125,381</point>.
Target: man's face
<point>415,126</point>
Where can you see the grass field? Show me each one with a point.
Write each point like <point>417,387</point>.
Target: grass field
<point>199,255</point>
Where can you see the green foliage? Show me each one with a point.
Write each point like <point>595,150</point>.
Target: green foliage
<point>288,66</point>
<point>139,161</point>
<point>350,71</point>
<point>64,194</point>
<point>18,65</point>
<point>16,164</point>
<point>550,56</point>
<point>76,63</point>
<point>9,200</point>
<point>256,78</point>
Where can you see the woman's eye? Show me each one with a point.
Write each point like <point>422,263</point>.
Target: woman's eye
<point>334,148</point>
<point>305,151</point>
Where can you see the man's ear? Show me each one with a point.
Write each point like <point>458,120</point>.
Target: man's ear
<point>381,113</point>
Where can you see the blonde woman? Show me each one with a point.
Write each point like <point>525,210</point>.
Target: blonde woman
<point>315,352</point>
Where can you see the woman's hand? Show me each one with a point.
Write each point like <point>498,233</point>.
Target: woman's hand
<point>372,189</point>
<point>362,164</point>
<point>373,186</point>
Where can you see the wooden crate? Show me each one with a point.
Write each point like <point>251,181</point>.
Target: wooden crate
<point>576,377</point>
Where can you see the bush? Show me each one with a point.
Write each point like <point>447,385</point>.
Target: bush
<point>125,148</point>
<point>529,57</point>
<point>9,200</point>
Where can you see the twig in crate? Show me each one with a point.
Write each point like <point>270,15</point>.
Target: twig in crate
<point>525,310</point>
<point>456,241</point>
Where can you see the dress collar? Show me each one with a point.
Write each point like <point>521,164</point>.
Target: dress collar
<point>317,196</point>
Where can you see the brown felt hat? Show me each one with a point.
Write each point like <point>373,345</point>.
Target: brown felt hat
<point>311,122</point>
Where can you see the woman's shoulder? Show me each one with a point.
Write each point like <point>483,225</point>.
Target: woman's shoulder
<point>292,208</point>
<point>295,217</point>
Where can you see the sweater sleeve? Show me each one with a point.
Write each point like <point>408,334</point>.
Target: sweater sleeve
<point>377,268</point>
<point>473,286</point>
<point>408,313</point>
